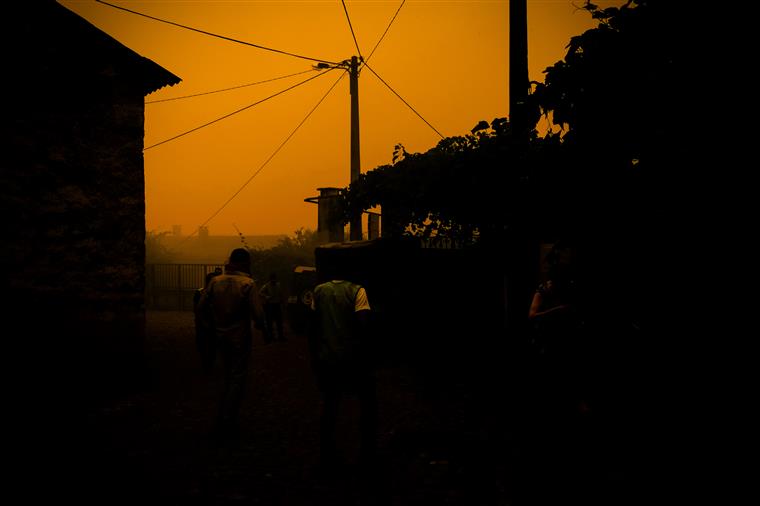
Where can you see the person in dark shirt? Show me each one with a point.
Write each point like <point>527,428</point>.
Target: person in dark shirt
<point>232,300</point>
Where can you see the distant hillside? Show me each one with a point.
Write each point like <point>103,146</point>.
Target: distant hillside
<point>214,249</point>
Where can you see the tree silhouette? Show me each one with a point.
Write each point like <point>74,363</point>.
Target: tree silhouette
<point>156,251</point>
<point>612,175</point>
<point>281,259</point>
<point>619,103</point>
<point>624,102</point>
<point>616,177</point>
<point>462,188</point>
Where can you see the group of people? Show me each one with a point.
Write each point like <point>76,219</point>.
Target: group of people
<point>231,307</point>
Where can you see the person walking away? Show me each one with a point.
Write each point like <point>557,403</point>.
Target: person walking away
<point>338,339</point>
<point>233,300</point>
<point>559,405</point>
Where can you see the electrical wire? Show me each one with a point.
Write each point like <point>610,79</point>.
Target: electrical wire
<point>214,34</point>
<point>352,28</point>
<point>266,162</point>
<point>404,101</point>
<point>235,112</point>
<point>386,30</point>
<point>228,89</point>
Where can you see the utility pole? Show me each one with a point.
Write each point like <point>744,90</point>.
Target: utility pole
<point>353,72</point>
<point>520,246</point>
<point>519,83</point>
<point>352,66</point>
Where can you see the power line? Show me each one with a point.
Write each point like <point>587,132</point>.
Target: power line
<point>228,89</point>
<point>214,34</point>
<point>270,157</point>
<point>235,112</point>
<point>386,30</point>
<point>351,27</point>
<point>404,101</point>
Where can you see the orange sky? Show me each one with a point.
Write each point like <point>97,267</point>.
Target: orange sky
<point>448,59</point>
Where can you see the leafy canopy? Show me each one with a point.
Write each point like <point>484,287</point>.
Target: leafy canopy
<point>615,103</point>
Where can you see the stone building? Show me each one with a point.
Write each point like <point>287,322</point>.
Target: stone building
<point>72,184</point>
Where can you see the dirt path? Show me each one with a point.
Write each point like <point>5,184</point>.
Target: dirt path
<point>440,442</point>
<point>155,444</point>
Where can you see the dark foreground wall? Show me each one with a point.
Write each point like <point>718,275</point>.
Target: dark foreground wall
<point>72,194</point>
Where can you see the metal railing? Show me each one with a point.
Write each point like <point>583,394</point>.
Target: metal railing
<point>172,286</point>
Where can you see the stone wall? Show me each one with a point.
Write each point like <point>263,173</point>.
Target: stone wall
<point>73,198</point>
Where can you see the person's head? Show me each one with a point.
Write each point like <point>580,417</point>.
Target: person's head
<point>240,260</point>
<point>329,269</point>
<point>273,277</point>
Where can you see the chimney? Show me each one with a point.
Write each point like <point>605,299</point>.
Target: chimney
<point>329,224</point>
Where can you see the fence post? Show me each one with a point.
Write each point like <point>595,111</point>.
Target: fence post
<point>179,287</point>
<point>153,284</point>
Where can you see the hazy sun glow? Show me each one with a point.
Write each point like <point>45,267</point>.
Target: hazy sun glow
<point>447,59</point>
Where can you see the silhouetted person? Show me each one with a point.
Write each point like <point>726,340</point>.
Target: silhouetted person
<point>205,336</point>
<point>233,300</point>
<point>338,338</point>
<point>553,311</point>
<point>557,321</point>
<point>557,401</point>
<point>272,297</point>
